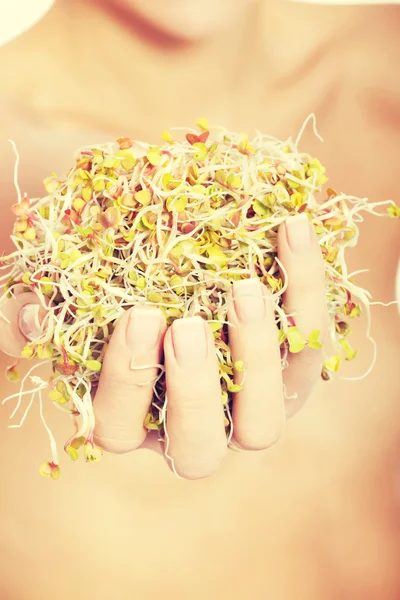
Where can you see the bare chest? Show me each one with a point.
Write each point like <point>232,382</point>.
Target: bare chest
<point>115,532</point>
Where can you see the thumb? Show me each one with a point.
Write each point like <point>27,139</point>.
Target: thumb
<point>20,322</point>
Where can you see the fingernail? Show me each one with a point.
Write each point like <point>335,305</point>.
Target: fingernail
<point>189,340</point>
<point>298,233</point>
<point>248,300</point>
<point>28,321</point>
<point>143,330</point>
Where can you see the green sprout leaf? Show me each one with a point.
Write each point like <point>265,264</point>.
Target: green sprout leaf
<point>173,226</point>
<point>218,257</point>
<point>27,352</point>
<point>72,453</point>
<point>313,340</point>
<point>348,350</point>
<point>177,204</point>
<point>93,365</point>
<point>12,374</point>
<point>215,325</point>
<point>239,366</point>
<point>143,197</point>
<point>235,387</point>
<point>394,211</point>
<point>203,124</point>
<point>295,339</point>
<point>333,363</point>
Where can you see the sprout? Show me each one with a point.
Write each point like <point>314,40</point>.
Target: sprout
<point>172,226</point>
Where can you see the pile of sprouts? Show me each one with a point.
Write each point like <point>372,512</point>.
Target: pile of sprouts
<point>171,226</point>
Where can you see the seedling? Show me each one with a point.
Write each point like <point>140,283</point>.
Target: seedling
<point>171,226</point>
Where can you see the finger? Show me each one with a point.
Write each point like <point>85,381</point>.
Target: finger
<point>305,297</point>
<point>20,322</point>
<point>258,409</point>
<point>195,419</point>
<point>125,389</point>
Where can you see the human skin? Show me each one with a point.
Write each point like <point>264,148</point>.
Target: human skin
<point>315,516</point>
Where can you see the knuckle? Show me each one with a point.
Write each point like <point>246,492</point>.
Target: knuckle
<point>122,379</point>
<point>201,466</point>
<point>186,400</point>
<point>120,444</point>
<point>310,284</point>
<point>256,439</point>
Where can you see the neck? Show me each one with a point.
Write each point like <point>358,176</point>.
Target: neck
<point>114,54</point>
<point>133,79</point>
<point>134,50</point>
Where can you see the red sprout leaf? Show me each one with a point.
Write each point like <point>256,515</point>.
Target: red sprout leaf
<point>192,138</point>
<point>203,137</point>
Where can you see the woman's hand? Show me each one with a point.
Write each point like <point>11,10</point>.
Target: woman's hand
<point>196,442</point>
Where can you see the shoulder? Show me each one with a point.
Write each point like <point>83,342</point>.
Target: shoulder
<point>373,66</point>
<point>41,150</point>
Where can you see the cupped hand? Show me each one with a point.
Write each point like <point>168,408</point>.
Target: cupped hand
<point>196,443</point>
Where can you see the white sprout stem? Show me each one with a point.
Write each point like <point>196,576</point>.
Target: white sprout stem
<point>53,444</point>
<point>21,391</point>
<point>16,165</point>
<point>211,221</point>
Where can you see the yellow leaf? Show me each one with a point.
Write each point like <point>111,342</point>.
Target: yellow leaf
<point>203,124</point>
<point>176,204</point>
<point>202,151</point>
<point>260,209</point>
<point>92,453</point>
<point>46,286</point>
<point>234,387</point>
<point>87,192</point>
<point>239,366</point>
<point>150,423</point>
<point>72,453</point>
<point>394,211</point>
<point>281,336</point>
<point>154,297</point>
<point>166,136</point>
<point>348,350</point>
<point>50,184</point>
<point>111,163</point>
<point>234,181</point>
<point>99,185</point>
<point>141,283</point>
<point>26,278</point>
<point>12,374</point>
<point>220,176</point>
<point>297,199</point>
<point>78,204</point>
<point>217,256</point>
<point>154,157</point>
<point>78,442</point>
<point>56,396</point>
<point>313,339</point>
<point>333,363</point>
<point>93,365</point>
<point>30,234</point>
<point>27,352</point>
<point>45,351</point>
<point>176,282</point>
<point>128,164</point>
<point>50,470</point>
<point>146,222</point>
<point>295,339</point>
<point>215,325</point>
<point>143,197</point>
